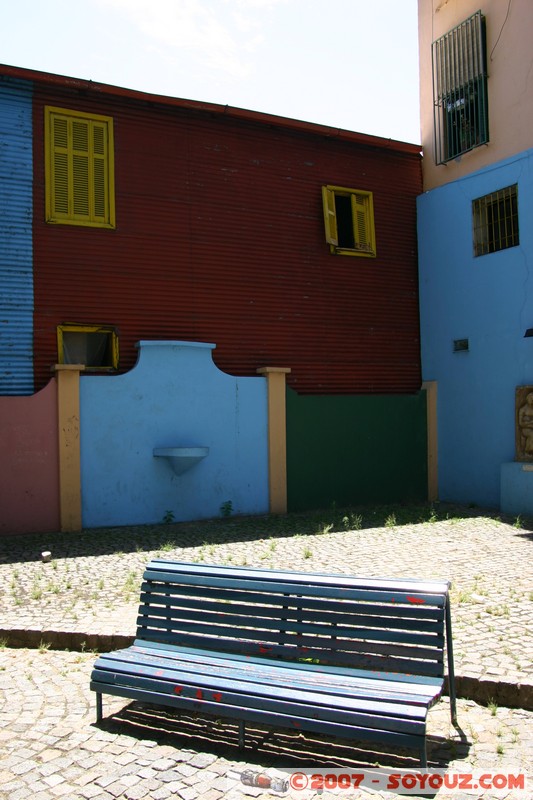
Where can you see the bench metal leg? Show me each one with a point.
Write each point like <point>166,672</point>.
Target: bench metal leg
<point>242,732</point>
<point>98,707</point>
<point>423,756</point>
<point>451,669</point>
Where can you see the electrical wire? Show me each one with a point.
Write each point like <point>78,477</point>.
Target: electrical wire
<point>501,31</point>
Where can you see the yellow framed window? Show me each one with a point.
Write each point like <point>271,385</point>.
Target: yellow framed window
<point>349,221</point>
<point>95,346</point>
<point>79,168</point>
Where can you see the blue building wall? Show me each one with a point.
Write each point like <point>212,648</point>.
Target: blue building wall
<point>489,301</point>
<point>16,209</point>
<point>174,396</point>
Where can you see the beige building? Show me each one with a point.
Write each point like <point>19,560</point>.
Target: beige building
<point>476,84</point>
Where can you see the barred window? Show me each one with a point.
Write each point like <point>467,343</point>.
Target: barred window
<point>460,89</point>
<point>495,221</point>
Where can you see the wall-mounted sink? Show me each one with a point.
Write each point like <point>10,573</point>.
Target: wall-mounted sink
<point>181,458</point>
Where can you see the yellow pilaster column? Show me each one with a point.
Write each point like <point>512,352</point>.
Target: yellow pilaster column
<point>68,412</point>
<point>277,437</point>
<point>433,473</point>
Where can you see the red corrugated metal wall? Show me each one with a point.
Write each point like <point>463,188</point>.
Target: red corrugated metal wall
<point>220,238</point>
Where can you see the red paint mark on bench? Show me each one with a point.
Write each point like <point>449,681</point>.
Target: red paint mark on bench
<point>178,689</point>
<point>417,600</point>
<point>263,648</point>
<point>199,694</point>
<point>217,696</point>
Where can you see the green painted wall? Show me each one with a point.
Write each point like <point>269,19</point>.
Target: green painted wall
<point>352,450</point>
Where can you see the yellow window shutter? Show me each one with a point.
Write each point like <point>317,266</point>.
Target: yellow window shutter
<point>60,133</point>
<point>80,136</point>
<point>330,215</point>
<point>59,160</point>
<point>60,184</point>
<point>363,222</point>
<point>99,139</point>
<point>79,168</point>
<point>99,171</point>
<point>80,185</point>
<point>359,212</point>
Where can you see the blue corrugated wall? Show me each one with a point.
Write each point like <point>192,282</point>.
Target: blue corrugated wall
<point>16,268</point>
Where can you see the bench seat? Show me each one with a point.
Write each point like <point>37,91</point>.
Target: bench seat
<point>303,651</point>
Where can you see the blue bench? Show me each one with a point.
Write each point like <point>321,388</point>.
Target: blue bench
<point>331,654</point>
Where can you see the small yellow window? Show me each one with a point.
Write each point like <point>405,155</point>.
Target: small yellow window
<point>95,346</point>
<point>79,168</point>
<point>349,221</point>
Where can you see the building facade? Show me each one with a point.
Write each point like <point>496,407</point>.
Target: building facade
<point>141,217</point>
<point>178,265</point>
<point>475,241</point>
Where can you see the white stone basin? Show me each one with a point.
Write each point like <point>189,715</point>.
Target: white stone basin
<point>181,459</point>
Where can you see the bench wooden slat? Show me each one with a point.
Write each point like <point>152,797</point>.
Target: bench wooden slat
<point>270,674</point>
<point>226,625</point>
<point>187,597</point>
<point>268,669</point>
<point>389,617</point>
<point>275,576</point>
<point>250,689</point>
<point>212,632</point>
<point>260,587</point>
<point>370,661</point>
<point>402,682</point>
<point>300,648</point>
<point>392,737</point>
<point>273,703</point>
<point>352,639</point>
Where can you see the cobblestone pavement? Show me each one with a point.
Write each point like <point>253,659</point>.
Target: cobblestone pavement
<point>81,597</point>
<point>51,748</point>
<point>85,598</point>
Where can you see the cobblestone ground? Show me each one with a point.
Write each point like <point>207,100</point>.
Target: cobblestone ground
<point>51,748</point>
<point>488,561</point>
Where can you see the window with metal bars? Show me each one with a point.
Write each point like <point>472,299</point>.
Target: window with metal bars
<point>460,100</point>
<point>495,221</point>
<point>79,168</point>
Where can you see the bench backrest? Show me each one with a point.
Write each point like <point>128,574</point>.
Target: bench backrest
<point>377,624</point>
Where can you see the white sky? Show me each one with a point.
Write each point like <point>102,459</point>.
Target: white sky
<point>347,63</point>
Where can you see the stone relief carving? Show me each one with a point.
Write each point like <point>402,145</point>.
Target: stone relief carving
<point>524,423</point>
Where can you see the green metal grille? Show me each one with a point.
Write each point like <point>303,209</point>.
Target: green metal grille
<point>460,89</point>
<point>495,221</point>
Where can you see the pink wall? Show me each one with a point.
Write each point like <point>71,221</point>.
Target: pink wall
<point>29,463</point>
